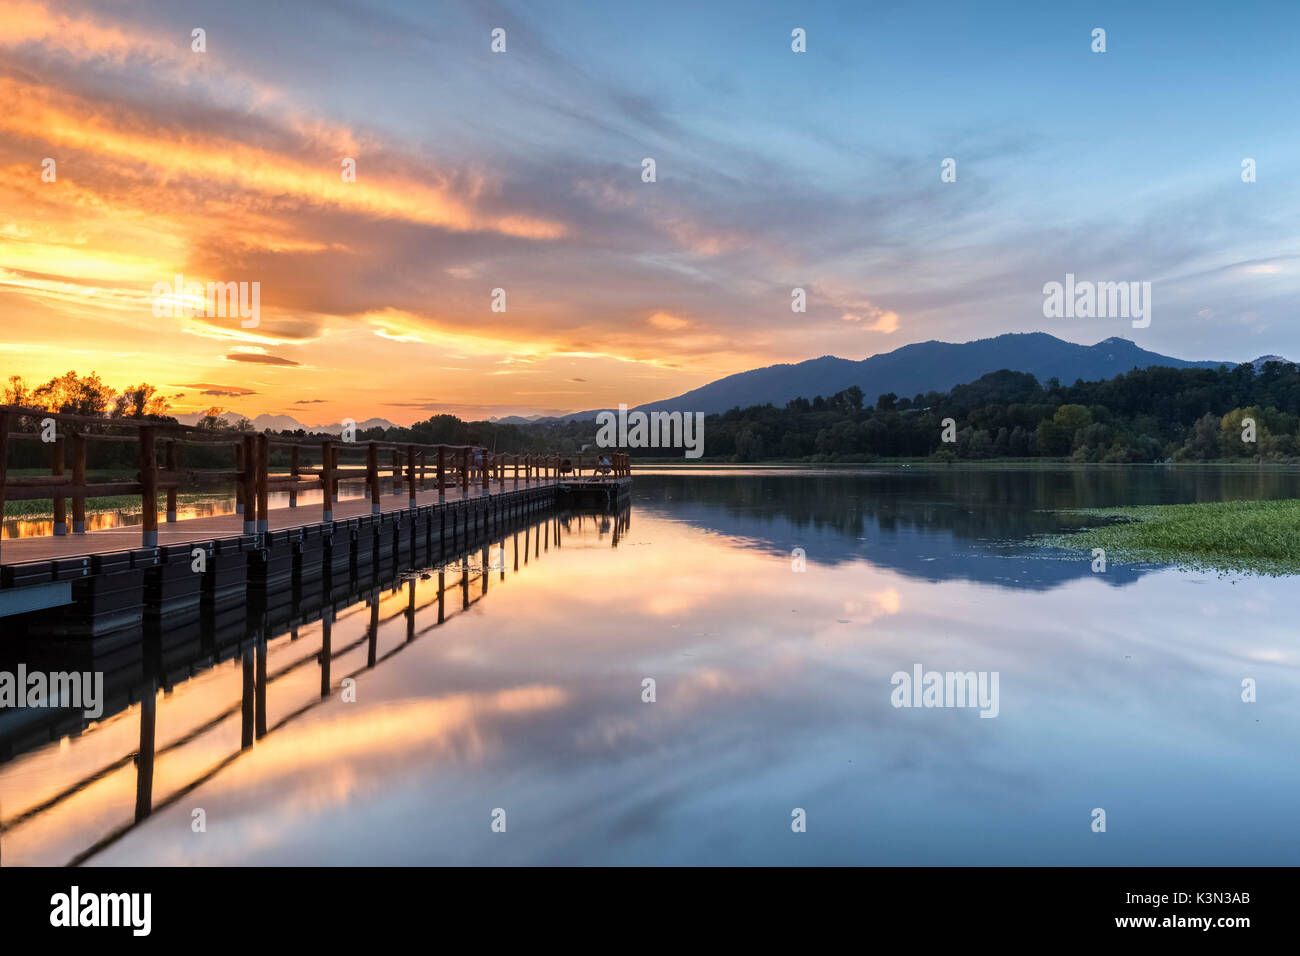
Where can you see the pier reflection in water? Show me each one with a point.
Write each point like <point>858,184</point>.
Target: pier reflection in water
<point>186,702</point>
<point>774,691</point>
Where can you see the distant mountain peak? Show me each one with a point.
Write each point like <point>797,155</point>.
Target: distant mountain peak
<point>922,367</point>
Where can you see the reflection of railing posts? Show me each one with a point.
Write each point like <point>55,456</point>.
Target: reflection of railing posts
<point>442,596</point>
<point>148,489</point>
<point>326,482</point>
<point>372,632</point>
<point>486,560</point>
<point>326,629</point>
<point>79,479</point>
<point>144,757</point>
<point>410,611</point>
<point>261,688</point>
<point>464,588</point>
<point>246,704</point>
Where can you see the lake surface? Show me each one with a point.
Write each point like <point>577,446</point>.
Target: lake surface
<point>522,691</point>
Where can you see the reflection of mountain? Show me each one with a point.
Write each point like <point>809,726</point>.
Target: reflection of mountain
<point>937,524</point>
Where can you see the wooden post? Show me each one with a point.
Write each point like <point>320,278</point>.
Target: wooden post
<point>327,482</point>
<point>487,470</point>
<point>250,484</point>
<point>372,476</point>
<point>442,473</point>
<point>171,490</point>
<point>148,489</point>
<point>239,482</point>
<point>60,503</point>
<point>78,478</point>
<point>580,464</point>
<point>516,463</point>
<point>410,473</point>
<point>464,472</point>
<point>335,451</point>
<point>423,457</point>
<point>4,458</point>
<point>263,482</point>
<point>397,472</point>
<point>295,464</point>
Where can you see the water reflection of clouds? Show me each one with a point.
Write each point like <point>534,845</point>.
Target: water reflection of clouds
<point>1126,698</point>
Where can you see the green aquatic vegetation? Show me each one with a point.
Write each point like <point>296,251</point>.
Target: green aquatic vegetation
<point>42,509</point>
<point>1253,537</point>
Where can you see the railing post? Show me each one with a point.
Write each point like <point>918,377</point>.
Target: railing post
<point>148,489</point>
<point>335,451</point>
<point>372,476</point>
<point>295,466</point>
<point>410,473</point>
<point>249,477</point>
<point>171,490</point>
<point>487,471</point>
<point>327,482</point>
<point>464,472</point>
<point>516,463</point>
<point>78,478</point>
<point>397,472</point>
<point>60,503</point>
<point>442,473</point>
<point>263,482</point>
<point>423,459</point>
<point>4,458</point>
<point>239,482</point>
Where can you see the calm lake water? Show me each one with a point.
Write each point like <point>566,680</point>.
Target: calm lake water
<point>1119,690</point>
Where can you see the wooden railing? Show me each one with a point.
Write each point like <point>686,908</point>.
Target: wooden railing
<point>410,465</point>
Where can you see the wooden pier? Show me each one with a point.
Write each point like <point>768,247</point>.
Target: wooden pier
<point>92,583</point>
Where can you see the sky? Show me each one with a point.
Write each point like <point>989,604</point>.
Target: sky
<point>523,171</point>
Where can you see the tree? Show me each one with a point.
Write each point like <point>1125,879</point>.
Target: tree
<point>72,395</point>
<point>17,392</point>
<point>211,419</point>
<point>140,401</point>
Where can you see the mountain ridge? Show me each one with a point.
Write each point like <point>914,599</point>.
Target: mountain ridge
<point>921,367</point>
